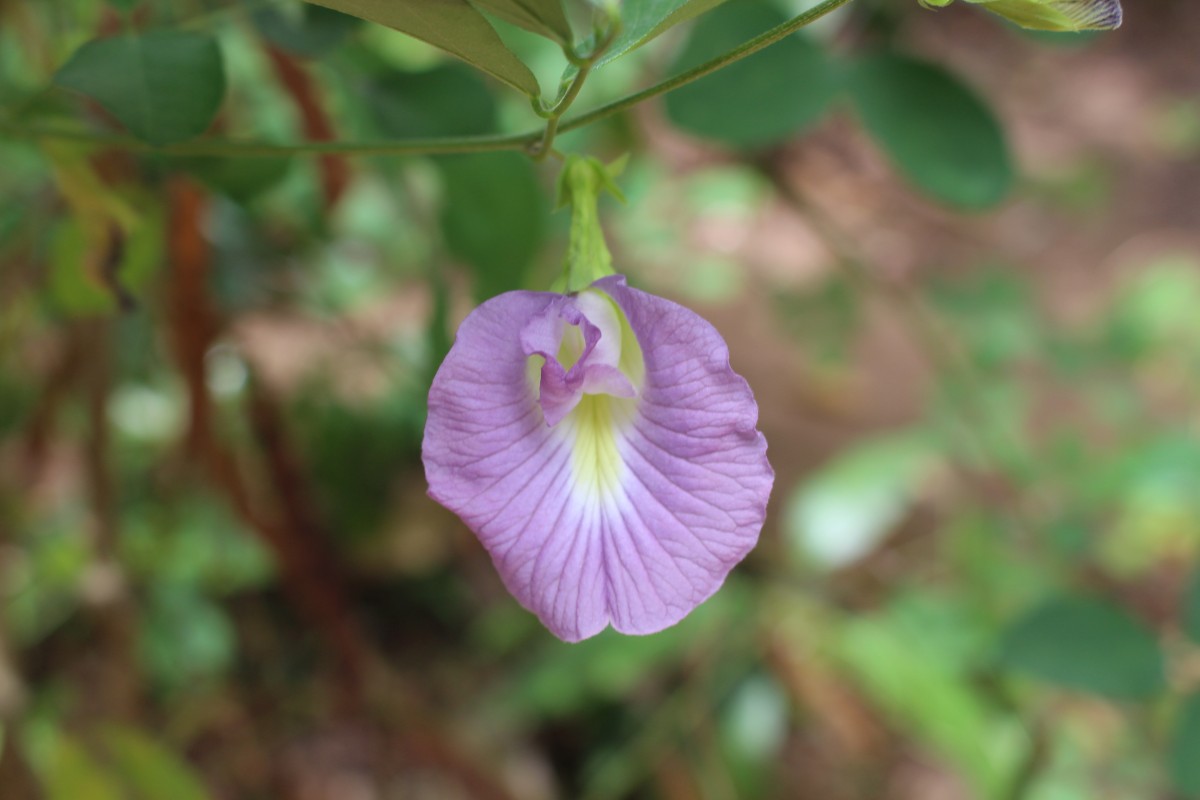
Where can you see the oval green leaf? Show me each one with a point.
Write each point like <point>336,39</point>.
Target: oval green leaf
<point>452,25</point>
<point>761,100</point>
<point>1086,644</point>
<point>936,130</point>
<point>164,86</point>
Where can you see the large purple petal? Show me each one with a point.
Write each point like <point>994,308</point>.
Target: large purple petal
<point>629,511</point>
<point>697,478</point>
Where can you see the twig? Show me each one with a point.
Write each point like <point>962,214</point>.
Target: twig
<point>335,172</point>
<point>310,573</point>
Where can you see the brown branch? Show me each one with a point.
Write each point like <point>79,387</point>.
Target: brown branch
<point>306,551</point>
<point>335,171</point>
<point>288,526</point>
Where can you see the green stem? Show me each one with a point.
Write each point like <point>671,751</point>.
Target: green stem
<point>249,149</point>
<point>533,142</point>
<point>546,145</point>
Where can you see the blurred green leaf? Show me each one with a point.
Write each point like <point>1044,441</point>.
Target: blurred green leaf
<point>43,587</point>
<point>1155,313</point>
<point>840,513</point>
<point>67,771</point>
<point>448,100</point>
<point>92,266</point>
<point>240,179</point>
<point>936,130</point>
<point>540,16</point>
<point>493,217</point>
<point>642,20</point>
<point>147,768</point>
<point>185,636</point>
<point>993,314</point>
<point>164,86</point>
<point>195,543</point>
<point>905,661</point>
<point>559,679</point>
<point>452,25</point>
<point>303,29</point>
<point>760,100</point>
<point>1185,748</point>
<point>1086,644</point>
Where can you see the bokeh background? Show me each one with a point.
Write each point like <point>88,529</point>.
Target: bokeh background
<point>958,263</point>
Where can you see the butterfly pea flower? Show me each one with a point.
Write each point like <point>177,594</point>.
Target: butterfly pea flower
<point>604,452</point>
<point>1052,15</point>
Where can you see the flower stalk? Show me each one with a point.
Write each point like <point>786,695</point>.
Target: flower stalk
<point>582,180</point>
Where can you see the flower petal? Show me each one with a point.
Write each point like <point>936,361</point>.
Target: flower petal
<point>694,492</point>
<point>631,510</point>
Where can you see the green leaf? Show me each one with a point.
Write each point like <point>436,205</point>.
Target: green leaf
<point>164,86</point>
<point>311,31</point>
<point>95,268</point>
<point>642,20</point>
<point>186,637</point>
<point>240,179</point>
<point>557,679</point>
<point>448,100</point>
<point>760,100</point>
<point>540,16</point>
<point>493,217</point>
<point>1191,609</point>
<point>1086,644</point>
<point>452,25</point>
<point>1185,749</point>
<point>843,511</point>
<point>150,770</point>
<point>936,130</point>
<point>67,771</point>
<point>914,664</point>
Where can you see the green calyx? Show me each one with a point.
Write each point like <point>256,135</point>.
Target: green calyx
<point>582,180</point>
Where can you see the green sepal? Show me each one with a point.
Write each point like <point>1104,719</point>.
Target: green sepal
<point>582,180</point>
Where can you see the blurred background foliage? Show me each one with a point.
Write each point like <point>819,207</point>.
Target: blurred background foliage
<point>958,262</point>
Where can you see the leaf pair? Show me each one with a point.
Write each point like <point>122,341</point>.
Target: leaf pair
<point>936,130</point>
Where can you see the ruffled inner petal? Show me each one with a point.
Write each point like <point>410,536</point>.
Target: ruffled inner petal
<point>579,340</point>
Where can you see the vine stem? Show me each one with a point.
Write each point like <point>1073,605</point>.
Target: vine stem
<point>530,141</point>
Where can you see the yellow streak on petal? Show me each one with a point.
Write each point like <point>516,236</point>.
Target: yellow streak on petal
<point>594,428</point>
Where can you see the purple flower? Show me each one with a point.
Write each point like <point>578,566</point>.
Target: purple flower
<point>602,450</point>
